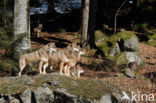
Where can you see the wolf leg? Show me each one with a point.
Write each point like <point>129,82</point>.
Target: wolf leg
<point>22,64</point>
<point>68,71</point>
<point>61,67</point>
<point>40,67</point>
<point>65,69</point>
<point>44,67</point>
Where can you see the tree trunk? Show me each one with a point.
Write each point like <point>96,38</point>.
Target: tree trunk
<point>92,21</point>
<point>85,19</point>
<point>88,24</point>
<point>21,27</point>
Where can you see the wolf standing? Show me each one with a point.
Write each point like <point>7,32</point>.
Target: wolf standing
<point>40,56</point>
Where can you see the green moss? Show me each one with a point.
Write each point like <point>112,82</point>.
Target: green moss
<point>125,35</point>
<point>92,88</point>
<point>152,39</point>
<point>119,59</point>
<point>110,42</point>
<point>12,86</point>
<point>99,35</point>
<point>151,43</point>
<point>89,88</point>
<point>105,48</point>
<point>141,27</point>
<point>151,36</point>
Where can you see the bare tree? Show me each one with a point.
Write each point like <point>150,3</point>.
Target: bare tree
<point>21,26</point>
<point>85,20</point>
<point>92,24</point>
<point>88,23</point>
<point>115,20</point>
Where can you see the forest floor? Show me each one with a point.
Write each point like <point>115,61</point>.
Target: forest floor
<point>145,82</point>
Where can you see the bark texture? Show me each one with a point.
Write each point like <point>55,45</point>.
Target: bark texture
<point>85,19</point>
<point>21,27</point>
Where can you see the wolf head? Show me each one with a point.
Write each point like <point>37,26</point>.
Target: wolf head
<point>52,48</point>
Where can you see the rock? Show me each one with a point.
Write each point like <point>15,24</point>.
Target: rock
<point>100,40</point>
<point>26,96</point>
<point>27,80</point>
<point>54,83</point>
<point>151,76</point>
<point>115,50</point>
<point>122,42</point>
<point>72,91</point>
<point>44,85</point>
<point>64,92</point>
<point>44,95</point>
<point>134,57</point>
<point>129,73</point>
<point>106,99</point>
<point>99,36</point>
<point>133,65</point>
<point>131,44</point>
<point>63,96</point>
<point>128,57</point>
<point>108,65</point>
<point>13,99</point>
<point>121,98</point>
<point>2,100</point>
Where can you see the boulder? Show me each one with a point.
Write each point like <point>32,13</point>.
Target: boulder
<point>129,73</point>
<point>134,57</point>
<point>131,44</point>
<point>62,94</point>
<point>2,100</point>
<point>13,99</point>
<point>106,99</point>
<point>54,83</point>
<point>99,36</point>
<point>26,96</point>
<point>67,90</point>
<point>115,50</point>
<point>128,57</point>
<point>26,80</point>
<point>44,95</point>
<point>107,65</point>
<point>122,42</point>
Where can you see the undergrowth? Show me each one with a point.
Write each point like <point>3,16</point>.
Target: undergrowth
<point>7,64</point>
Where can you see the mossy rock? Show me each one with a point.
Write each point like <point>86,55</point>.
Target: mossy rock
<point>120,38</point>
<point>151,43</point>
<point>90,88</point>
<point>99,36</point>
<point>127,57</point>
<point>152,39</point>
